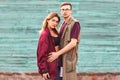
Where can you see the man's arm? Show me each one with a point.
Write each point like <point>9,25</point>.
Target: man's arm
<point>55,55</point>
<point>69,46</point>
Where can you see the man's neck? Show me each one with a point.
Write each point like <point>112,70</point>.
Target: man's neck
<point>67,19</point>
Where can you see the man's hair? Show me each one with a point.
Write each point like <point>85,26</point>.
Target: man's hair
<point>66,3</point>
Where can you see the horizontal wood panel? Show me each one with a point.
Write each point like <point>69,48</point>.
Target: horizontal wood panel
<point>21,20</point>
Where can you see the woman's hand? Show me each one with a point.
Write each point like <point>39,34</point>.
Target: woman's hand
<point>46,76</point>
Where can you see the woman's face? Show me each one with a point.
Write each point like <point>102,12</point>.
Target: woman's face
<point>53,22</point>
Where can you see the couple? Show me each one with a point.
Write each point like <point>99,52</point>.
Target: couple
<point>57,51</point>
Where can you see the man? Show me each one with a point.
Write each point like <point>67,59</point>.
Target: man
<point>69,39</point>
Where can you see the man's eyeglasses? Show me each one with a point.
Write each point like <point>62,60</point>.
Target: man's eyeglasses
<point>65,9</point>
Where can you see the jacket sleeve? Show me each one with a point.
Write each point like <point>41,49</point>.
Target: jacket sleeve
<point>42,54</point>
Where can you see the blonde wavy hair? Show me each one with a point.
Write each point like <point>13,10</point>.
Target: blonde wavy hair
<point>50,16</point>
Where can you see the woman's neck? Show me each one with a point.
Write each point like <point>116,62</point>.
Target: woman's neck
<point>52,32</point>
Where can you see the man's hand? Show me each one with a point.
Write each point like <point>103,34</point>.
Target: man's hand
<point>52,56</point>
<point>46,76</point>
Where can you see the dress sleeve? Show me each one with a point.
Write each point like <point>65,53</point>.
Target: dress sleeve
<point>42,54</point>
<point>76,30</point>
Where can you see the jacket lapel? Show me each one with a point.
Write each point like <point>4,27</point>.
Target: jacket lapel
<point>66,27</point>
<point>64,32</point>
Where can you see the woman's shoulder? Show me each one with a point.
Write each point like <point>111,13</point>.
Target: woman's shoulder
<point>44,33</point>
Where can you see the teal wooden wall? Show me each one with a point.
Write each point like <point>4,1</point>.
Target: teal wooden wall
<point>20,21</point>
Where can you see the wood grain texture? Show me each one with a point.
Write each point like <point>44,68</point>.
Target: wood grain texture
<point>21,20</point>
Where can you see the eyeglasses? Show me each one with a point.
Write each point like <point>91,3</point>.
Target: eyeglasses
<point>65,9</point>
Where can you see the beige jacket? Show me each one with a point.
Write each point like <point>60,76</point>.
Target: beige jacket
<point>69,58</point>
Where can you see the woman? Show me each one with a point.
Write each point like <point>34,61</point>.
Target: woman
<point>48,42</point>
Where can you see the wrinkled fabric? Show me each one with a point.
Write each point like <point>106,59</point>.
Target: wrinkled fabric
<point>45,46</point>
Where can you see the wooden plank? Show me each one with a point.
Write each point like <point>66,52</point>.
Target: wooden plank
<point>21,20</point>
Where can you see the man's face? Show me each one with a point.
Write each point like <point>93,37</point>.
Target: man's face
<point>66,11</point>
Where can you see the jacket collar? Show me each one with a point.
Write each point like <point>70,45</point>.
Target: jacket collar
<point>69,22</point>
<point>47,30</point>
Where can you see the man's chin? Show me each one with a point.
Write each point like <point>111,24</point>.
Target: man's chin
<point>65,16</point>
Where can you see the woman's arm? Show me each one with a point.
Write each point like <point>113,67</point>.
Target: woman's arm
<point>42,54</point>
